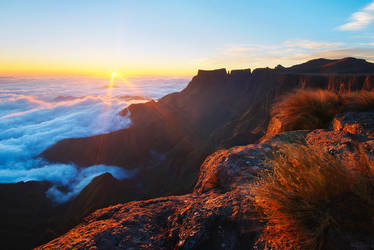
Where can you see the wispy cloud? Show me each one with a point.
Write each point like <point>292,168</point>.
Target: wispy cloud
<point>306,44</point>
<point>367,44</point>
<point>370,43</point>
<point>291,45</point>
<point>360,19</point>
<point>287,53</point>
<point>365,53</point>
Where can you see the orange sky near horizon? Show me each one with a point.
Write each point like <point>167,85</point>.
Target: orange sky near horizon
<point>94,71</point>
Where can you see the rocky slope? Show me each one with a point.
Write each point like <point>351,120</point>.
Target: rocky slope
<point>219,213</point>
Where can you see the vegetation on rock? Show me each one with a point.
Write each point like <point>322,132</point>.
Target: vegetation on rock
<point>314,109</point>
<point>308,199</point>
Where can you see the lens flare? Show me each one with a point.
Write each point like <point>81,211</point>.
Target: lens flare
<point>114,75</point>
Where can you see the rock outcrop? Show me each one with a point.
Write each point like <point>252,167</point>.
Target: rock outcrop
<point>219,213</point>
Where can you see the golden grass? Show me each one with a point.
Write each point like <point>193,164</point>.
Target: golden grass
<point>358,101</point>
<point>309,200</point>
<point>313,109</point>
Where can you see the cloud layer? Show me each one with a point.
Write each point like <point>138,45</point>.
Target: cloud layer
<point>35,114</point>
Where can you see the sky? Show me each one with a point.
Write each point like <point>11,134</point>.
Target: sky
<point>139,37</point>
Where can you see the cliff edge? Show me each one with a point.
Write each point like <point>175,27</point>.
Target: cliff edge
<point>219,213</point>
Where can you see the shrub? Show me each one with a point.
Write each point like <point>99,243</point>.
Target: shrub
<point>358,101</point>
<point>309,200</point>
<point>313,109</point>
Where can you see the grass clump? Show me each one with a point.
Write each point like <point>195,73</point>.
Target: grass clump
<point>309,200</point>
<point>313,109</point>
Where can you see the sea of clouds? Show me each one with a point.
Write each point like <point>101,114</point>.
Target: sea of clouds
<point>35,113</point>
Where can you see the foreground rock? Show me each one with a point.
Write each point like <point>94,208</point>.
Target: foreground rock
<point>219,213</point>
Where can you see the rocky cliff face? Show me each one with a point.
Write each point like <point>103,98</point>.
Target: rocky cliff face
<point>219,213</point>
<point>170,138</point>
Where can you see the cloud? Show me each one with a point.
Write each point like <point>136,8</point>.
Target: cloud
<point>66,175</point>
<point>35,114</point>
<point>360,19</point>
<point>82,178</point>
<point>365,53</point>
<point>306,44</point>
<point>287,53</point>
<point>368,43</point>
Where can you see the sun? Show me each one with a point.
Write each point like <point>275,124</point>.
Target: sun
<point>114,75</point>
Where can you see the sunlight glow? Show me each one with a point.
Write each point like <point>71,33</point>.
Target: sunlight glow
<point>114,75</point>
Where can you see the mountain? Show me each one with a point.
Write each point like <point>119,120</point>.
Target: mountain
<point>348,65</point>
<point>95,195</point>
<point>170,138</point>
<point>27,216</point>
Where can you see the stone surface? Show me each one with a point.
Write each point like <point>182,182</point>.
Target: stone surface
<point>355,123</point>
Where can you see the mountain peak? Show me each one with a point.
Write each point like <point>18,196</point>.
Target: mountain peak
<point>347,65</point>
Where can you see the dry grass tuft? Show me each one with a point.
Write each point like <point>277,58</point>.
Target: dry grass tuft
<point>309,200</point>
<point>358,101</point>
<point>313,109</point>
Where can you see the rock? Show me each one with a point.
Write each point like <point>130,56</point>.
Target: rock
<point>209,74</point>
<point>229,167</point>
<point>240,73</point>
<point>183,222</point>
<point>355,123</point>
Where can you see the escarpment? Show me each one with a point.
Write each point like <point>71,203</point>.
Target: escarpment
<point>169,138</point>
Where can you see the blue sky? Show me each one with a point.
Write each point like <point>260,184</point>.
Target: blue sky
<point>177,37</point>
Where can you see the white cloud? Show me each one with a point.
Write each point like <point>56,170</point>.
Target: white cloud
<point>360,19</point>
<point>35,114</point>
<point>367,44</point>
<point>370,7</point>
<point>287,53</point>
<point>364,53</point>
<point>306,44</point>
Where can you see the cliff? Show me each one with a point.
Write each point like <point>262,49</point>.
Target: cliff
<point>219,213</point>
<point>170,138</point>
